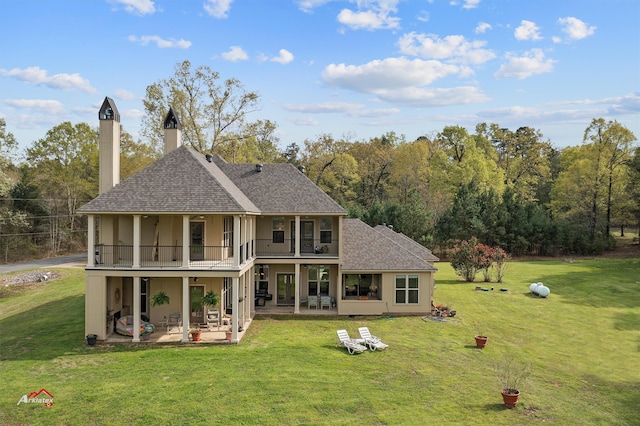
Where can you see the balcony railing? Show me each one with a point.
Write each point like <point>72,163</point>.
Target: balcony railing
<point>308,247</point>
<point>121,256</point>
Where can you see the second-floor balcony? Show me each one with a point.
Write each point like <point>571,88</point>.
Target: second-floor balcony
<point>287,248</point>
<point>206,257</point>
<point>121,256</point>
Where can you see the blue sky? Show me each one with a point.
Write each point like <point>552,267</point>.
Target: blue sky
<point>354,69</point>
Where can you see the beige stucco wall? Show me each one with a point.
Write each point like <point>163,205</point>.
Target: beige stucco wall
<point>387,303</point>
<point>95,302</point>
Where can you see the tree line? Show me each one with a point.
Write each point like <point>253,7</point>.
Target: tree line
<point>509,188</point>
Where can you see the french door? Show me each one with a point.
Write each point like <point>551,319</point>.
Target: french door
<point>306,237</point>
<point>197,240</point>
<point>286,289</point>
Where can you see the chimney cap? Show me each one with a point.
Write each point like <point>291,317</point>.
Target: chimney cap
<point>108,110</point>
<point>172,121</point>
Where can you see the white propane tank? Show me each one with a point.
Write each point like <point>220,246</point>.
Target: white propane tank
<point>532,287</point>
<point>543,291</point>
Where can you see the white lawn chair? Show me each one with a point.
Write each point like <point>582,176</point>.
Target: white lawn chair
<point>372,342</point>
<point>350,344</point>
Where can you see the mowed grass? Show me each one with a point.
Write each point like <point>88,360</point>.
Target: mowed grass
<point>582,342</point>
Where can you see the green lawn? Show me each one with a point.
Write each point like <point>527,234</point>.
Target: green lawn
<point>583,344</point>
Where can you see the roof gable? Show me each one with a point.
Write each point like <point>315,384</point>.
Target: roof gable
<point>279,188</point>
<point>365,248</point>
<point>181,181</point>
<point>406,242</point>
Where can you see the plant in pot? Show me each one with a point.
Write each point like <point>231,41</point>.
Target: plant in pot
<point>512,375</point>
<point>196,333</point>
<point>210,299</point>
<point>92,339</point>
<point>481,339</point>
<point>160,298</point>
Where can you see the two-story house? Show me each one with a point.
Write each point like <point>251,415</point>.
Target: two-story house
<point>262,236</point>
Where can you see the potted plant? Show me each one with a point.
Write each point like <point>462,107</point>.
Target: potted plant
<point>160,298</point>
<point>481,339</point>
<point>512,375</point>
<point>196,333</point>
<point>210,299</point>
<point>92,339</point>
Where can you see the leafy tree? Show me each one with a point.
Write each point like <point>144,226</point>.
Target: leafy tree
<point>612,145</point>
<point>523,156</point>
<point>633,186</point>
<point>66,163</point>
<point>375,159</point>
<point>134,156</point>
<point>209,110</point>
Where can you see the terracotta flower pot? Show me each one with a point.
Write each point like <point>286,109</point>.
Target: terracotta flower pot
<point>196,336</point>
<point>510,397</point>
<point>481,341</point>
<point>228,335</point>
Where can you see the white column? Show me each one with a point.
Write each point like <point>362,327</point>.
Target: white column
<point>296,309</point>
<point>235,292</point>
<point>236,243</point>
<point>251,242</point>
<point>244,237</point>
<point>186,309</point>
<point>297,229</point>
<point>136,241</point>
<point>136,308</point>
<point>186,238</point>
<point>91,241</point>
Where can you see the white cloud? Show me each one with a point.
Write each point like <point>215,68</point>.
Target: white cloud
<point>531,63</point>
<point>466,4</point>
<point>368,20</point>
<point>527,31</point>
<point>454,47</point>
<point>308,5</point>
<point>160,42</point>
<point>304,121</point>
<point>470,4</point>
<point>235,54</point>
<point>138,7</point>
<point>483,27</point>
<point>575,28</point>
<point>36,75</point>
<point>125,95</point>
<point>350,109</point>
<point>432,97</point>
<point>284,57</point>
<point>48,106</point>
<point>390,73</point>
<point>218,8</point>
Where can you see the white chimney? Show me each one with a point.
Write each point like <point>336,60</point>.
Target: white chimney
<point>109,148</point>
<point>172,132</point>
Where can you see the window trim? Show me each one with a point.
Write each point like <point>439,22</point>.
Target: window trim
<point>407,289</point>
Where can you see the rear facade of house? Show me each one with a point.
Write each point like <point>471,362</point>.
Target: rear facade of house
<point>262,236</point>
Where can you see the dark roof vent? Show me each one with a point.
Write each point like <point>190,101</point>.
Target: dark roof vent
<point>390,226</point>
<point>209,157</point>
<point>258,168</point>
<point>301,168</point>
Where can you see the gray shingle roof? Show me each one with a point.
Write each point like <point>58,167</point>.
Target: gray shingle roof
<point>366,249</point>
<point>280,188</point>
<point>406,242</point>
<point>180,182</point>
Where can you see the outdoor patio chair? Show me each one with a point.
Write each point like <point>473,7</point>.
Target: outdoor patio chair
<point>350,344</point>
<point>213,319</point>
<point>312,301</point>
<point>372,342</point>
<point>325,301</point>
<point>175,319</point>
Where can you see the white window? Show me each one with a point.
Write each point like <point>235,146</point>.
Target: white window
<point>318,280</point>
<point>278,230</point>
<point>326,228</point>
<point>228,231</point>
<point>407,289</point>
